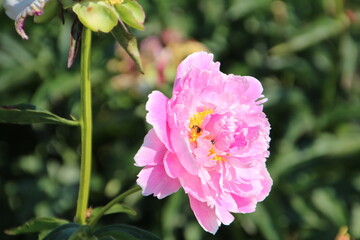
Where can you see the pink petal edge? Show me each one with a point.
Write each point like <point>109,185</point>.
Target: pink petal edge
<point>154,180</point>
<point>172,166</point>
<point>151,152</point>
<point>201,60</point>
<point>156,116</point>
<point>205,215</point>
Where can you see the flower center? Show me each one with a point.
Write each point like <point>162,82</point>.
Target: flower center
<point>195,123</point>
<point>217,157</point>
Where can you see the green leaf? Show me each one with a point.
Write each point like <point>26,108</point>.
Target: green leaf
<point>117,208</point>
<point>28,114</point>
<point>51,9</point>
<point>37,225</point>
<point>67,3</point>
<point>349,54</point>
<point>325,28</point>
<point>96,15</point>
<point>326,201</point>
<point>128,42</point>
<point>118,231</point>
<point>83,233</point>
<point>241,9</point>
<point>107,238</point>
<point>116,235</point>
<point>355,221</point>
<point>63,232</point>
<point>131,13</point>
<point>263,220</point>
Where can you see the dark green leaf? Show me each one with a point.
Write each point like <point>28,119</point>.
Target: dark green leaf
<point>28,114</point>
<point>67,3</point>
<point>117,208</point>
<point>51,9</point>
<point>242,8</point>
<point>116,235</point>
<point>37,225</point>
<point>83,233</point>
<point>63,232</point>
<point>107,238</point>
<point>326,28</point>
<point>128,42</point>
<point>325,199</point>
<point>349,53</point>
<point>263,219</point>
<point>117,232</point>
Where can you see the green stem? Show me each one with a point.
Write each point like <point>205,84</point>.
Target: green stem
<point>86,128</point>
<point>112,203</point>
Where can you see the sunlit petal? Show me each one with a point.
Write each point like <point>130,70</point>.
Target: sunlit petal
<point>19,10</point>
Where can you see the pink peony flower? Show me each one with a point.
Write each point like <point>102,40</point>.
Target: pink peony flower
<point>211,138</point>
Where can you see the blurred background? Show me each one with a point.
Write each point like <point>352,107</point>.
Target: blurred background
<point>305,53</point>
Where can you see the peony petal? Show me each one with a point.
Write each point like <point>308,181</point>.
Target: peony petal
<point>172,165</point>
<point>201,60</point>
<point>151,152</point>
<point>192,185</point>
<point>245,204</point>
<point>224,216</point>
<point>156,116</point>
<point>266,183</point>
<point>20,9</point>
<point>15,7</point>
<point>254,90</point>
<point>205,215</point>
<point>154,180</point>
<point>182,150</point>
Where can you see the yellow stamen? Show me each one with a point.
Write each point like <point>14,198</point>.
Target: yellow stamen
<point>217,157</point>
<point>195,123</point>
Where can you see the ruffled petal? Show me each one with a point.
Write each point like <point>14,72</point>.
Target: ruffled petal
<point>151,152</point>
<point>205,215</point>
<point>154,180</point>
<point>245,204</point>
<point>182,150</point>
<point>172,165</point>
<point>201,60</point>
<point>224,216</point>
<point>266,183</point>
<point>156,107</point>
<point>255,89</point>
<point>192,185</point>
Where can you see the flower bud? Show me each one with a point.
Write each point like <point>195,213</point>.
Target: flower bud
<point>99,16</point>
<point>131,13</point>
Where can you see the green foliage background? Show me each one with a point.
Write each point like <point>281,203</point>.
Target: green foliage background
<point>313,87</point>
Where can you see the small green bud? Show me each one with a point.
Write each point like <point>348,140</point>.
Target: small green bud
<point>131,13</point>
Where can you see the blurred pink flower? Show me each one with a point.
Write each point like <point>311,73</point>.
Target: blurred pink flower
<point>211,138</point>
<point>160,57</point>
<point>343,234</point>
